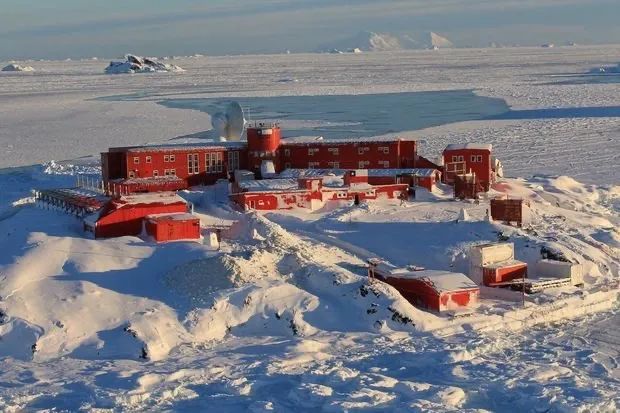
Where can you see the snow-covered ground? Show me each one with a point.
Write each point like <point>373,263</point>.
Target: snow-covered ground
<point>282,318</point>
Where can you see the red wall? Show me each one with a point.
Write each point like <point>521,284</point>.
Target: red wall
<point>127,219</point>
<point>265,201</point>
<point>416,292</point>
<point>498,275</point>
<point>421,294</point>
<point>400,154</point>
<point>117,165</point>
<point>460,298</point>
<point>170,229</point>
<point>382,180</point>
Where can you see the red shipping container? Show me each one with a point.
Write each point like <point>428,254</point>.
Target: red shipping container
<point>493,274</point>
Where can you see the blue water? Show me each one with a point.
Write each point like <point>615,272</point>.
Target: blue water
<point>345,116</point>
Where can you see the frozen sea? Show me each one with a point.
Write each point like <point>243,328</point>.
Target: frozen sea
<point>346,116</point>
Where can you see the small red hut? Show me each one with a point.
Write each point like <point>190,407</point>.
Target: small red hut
<point>172,227</point>
<point>429,289</point>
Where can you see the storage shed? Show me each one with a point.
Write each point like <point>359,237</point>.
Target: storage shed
<point>428,289</point>
<point>507,210</point>
<point>124,215</point>
<point>172,227</point>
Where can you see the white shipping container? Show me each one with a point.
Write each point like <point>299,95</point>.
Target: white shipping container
<point>492,253</point>
<point>560,269</point>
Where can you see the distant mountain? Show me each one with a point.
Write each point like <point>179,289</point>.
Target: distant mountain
<point>439,41</point>
<point>375,42</point>
<point>367,42</point>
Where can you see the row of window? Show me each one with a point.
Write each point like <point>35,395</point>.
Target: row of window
<point>336,165</point>
<point>149,159</point>
<point>361,150</point>
<point>233,159</point>
<point>461,158</point>
<point>213,163</point>
<point>167,172</point>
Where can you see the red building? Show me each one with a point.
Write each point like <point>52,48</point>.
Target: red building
<point>155,168</point>
<point>172,227</point>
<point>422,177</point>
<point>266,154</point>
<point>311,192</point>
<point>428,289</point>
<point>125,215</point>
<point>469,158</point>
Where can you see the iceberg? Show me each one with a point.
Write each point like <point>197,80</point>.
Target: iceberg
<point>138,64</point>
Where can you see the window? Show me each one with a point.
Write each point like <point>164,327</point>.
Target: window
<point>312,151</point>
<point>233,160</point>
<point>132,174</point>
<point>214,163</point>
<point>334,165</point>
<point>193,166</point>
<point>287,165</point>
<point>136,160</point>
<point>384,149</point>
<point>173,172</point>
<point>172,158</point>
<point>333,151</point>
<point>362,149</point>
<point>148,159</point>
<point>170,172</point>
<point>479,158</point>
<point>166,158</point>
<point>287,152</point>
<point>155,172</point>
<point>341,195</point>
<point>455,158</point>
<point>313,165</point>
<point>363,164</point>
<point>385,164</point>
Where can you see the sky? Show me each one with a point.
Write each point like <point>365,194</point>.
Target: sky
<point>85,28</point>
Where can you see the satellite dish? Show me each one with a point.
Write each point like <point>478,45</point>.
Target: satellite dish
<point>229,124</point>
